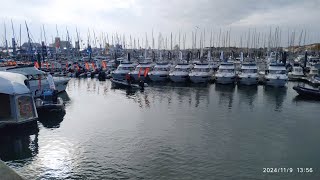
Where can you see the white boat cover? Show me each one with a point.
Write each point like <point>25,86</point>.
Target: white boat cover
<point>26,70</point>
<point>12,83</point>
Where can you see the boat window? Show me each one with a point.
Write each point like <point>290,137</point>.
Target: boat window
<point>201,70</point>
<point>277,71</point>
<point>5,110</point>
<point>297,69</point>
<point>25,107</point>
<point>226,70</point>
<point>126,68</point>
<point>249,70</point>
<point>160,69</point>
<point>182,69</point>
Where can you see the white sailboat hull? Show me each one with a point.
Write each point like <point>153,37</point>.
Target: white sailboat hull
<point>199,79</point>
<point>158,77</point>
<point>248,79</point>
<point>225,79</point>
<point>179,78</point>
<point>276,82</point>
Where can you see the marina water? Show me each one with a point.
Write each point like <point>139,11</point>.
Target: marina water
<point>170,132</point>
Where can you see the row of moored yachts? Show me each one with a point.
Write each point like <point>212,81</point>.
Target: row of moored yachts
<point>204,72</point>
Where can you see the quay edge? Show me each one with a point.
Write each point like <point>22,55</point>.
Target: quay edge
<point>7,173</point>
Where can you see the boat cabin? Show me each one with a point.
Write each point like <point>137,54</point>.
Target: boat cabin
<point>16,101</point>
<point>249,68</point>
<point>202,67</point>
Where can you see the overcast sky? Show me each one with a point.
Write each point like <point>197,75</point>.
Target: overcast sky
<point>137,17</point>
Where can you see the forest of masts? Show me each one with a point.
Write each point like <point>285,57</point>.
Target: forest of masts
<point>199,39</point>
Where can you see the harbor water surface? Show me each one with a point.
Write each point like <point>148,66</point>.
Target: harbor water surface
<point>170,132</point>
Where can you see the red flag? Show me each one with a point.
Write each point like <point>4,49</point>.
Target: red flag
<point>93,66</point>
<point>139,73</point>
<point>146,72</point>
<point>87,66</point>
<point>104,64</point>
<point>36,64</point>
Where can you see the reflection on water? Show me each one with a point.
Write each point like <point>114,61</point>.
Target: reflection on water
<point>168,132</point>
<point>202,95</point>
<point>18,145</point>
<point>64,95</point>
<point>299,98</point>
<point>275,95</point>
<point>225,93</point>
<point>52,119</point>
<point>247,94</point>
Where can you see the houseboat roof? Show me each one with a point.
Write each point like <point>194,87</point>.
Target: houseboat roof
<point>25,70</point>
<point>13,83</point>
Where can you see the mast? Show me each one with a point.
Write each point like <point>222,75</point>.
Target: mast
<point>192,43</point>
<point>211,39</point>
<point>40,34</point>
<point>184,41</point>
<point>219,45</point>
<point>29,40</point>
<point>130,42</point>
<point>78,40</point>
<point>5,38</point>
<point>68,44</point>
<point>152,40</point>
<point>20,37</point>
<point>179,40</point>
<point>95,40</point>
<point>13,40</point>
<point>44,35</point>
<point>229,36</point>
<point>171,41</point>
<point>57,30</point>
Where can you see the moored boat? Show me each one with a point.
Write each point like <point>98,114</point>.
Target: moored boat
<point>160,72</point>
<point>226,73</point>
<point>201,73</point>
<point>307,92</point>
<point>296,73</point>
<point>181,72</point>
<point>17,103</point>
<point>49,101</point>
<point>37,79</point>
<point>125,84</point>
<point>123,69</point>
<point>277,75</point>
<point>141,71</point>
<point>248,74</point>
